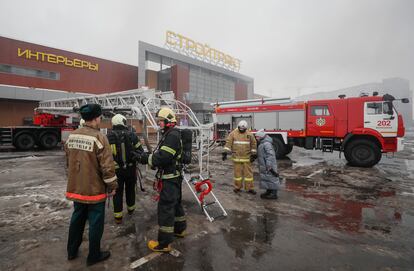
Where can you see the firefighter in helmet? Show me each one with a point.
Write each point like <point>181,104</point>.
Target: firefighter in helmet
<point>242,144</point>
<point>125,146</point>
<point>166,159</point>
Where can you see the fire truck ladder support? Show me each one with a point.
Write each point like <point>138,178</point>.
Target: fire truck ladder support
<point>143,104</point>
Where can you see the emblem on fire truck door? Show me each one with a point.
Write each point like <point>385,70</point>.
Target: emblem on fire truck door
<point>320,122</point>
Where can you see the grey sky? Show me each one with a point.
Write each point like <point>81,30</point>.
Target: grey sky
<point>288,47</point>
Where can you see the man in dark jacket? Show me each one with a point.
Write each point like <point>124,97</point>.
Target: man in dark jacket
<point>125,147</point>
<point>269,178</point>
<point>165,158</point>
<point>91,175</point>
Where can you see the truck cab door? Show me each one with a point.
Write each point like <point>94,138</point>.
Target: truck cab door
<point>381,116</point>
<point>320,121</point>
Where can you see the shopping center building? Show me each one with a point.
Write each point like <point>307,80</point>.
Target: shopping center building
<point>196,73</point>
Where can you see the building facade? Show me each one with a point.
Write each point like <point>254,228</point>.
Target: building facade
<point>193,81</point>
<point>30,73</point>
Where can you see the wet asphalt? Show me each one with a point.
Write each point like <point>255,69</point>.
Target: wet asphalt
<point>329,216</point>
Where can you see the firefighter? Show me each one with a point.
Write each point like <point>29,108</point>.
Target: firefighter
<point>91,175</point>
<point>269,178</point>
<point>125,146</point>
<point>166,158</point>
<point>242,144</point>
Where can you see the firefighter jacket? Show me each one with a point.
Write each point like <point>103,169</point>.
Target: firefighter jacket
<point>166,157</point>
<point>90,166</point>
<point>267,161</point>
<point>125,147</point>
<point>241,145</point>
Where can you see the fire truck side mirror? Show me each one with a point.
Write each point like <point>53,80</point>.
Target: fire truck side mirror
<point>405,100</point>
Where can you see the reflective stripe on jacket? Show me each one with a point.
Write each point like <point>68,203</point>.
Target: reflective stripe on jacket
<point>242,145</point>
<point>166,156</point>
<point>90,166</point>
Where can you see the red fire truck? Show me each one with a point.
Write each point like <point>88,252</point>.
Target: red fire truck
<point>46,132</point>
<point>361,127</point>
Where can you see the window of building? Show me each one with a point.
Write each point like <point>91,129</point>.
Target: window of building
<point>10,69</point>
<point>320,110</point>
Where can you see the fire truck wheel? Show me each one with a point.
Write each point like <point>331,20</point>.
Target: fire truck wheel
<point>289,148</point>
<point>24,142</point>
<point>48,141</point>
<point>280,148</point>
<point>362,153</point>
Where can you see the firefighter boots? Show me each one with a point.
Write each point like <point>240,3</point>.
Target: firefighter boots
<point>265,194</point>
<point>155,246</point>
<point>118,220</point>
<point>179,235</point>
<point>104,255</point>
<point>251,191</point>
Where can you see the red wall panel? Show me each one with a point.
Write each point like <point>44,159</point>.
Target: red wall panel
<point>180,81</point>
<point>240,90</point>
<point>152,79</point>
<point>12,112</point>
<point>111,76</point>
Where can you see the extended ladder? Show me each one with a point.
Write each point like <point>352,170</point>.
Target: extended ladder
<point>143,104</point>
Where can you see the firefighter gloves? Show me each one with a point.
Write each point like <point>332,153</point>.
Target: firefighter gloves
<point>253,157</point>
<point>143,158</point>
<point>137,156</point>
<point>224,156</point>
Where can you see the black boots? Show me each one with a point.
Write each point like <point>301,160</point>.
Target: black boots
<point>265,194</point>
<point>104,255</point>
<point>269,194</point>
<point>251,191</point>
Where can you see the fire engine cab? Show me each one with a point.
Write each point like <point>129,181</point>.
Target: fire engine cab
<point>362,127</point>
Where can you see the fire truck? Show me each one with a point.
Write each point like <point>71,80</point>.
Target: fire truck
<point>361,127</point>
<point>46,132</point>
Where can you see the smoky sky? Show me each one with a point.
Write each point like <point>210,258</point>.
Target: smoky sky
<point>289,47</point>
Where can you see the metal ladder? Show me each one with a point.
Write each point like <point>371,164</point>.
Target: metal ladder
<point>6,136</point>
<point>143,104</point>
<point>207,205</point>
<point>327,144</point>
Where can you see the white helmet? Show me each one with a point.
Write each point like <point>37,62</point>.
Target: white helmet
<point>81,123</point>
<point>242,125</point>
<point>119,119</point>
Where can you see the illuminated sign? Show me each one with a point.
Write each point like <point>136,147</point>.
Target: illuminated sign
<point>201,51</point>
<point>56,59</point>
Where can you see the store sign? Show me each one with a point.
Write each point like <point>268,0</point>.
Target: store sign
<point>201,51</point>
<point>56,59</point>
